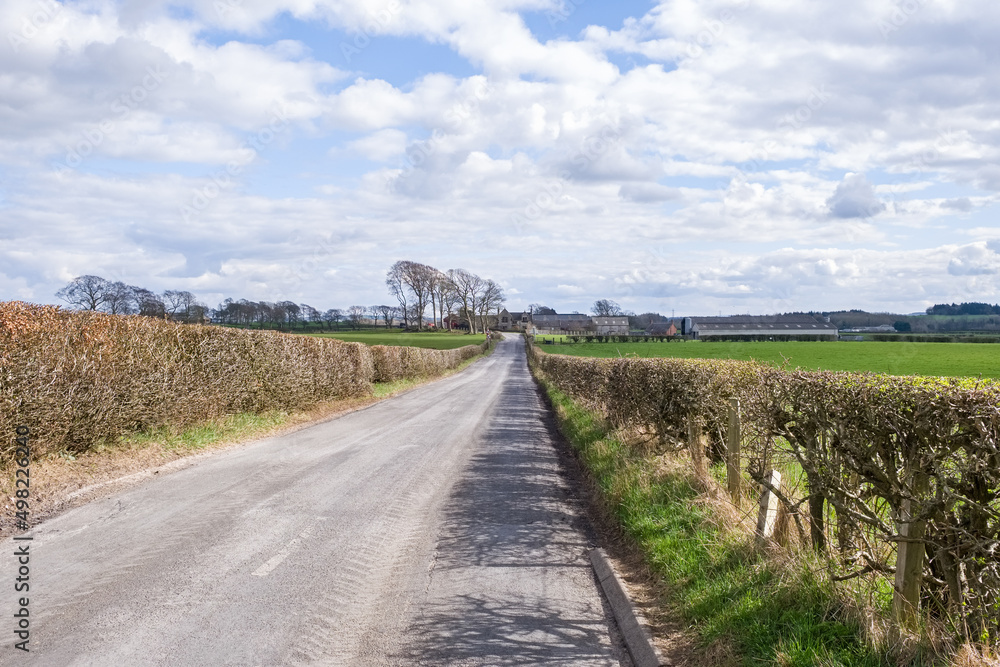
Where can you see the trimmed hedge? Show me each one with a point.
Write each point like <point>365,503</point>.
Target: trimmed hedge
<point>78,378</point>
<point>392,362</point>
<point>869,445</point>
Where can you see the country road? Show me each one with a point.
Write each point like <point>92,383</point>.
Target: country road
<point>434,528</point>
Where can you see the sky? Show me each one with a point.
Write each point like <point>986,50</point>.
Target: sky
<point>699,157</point>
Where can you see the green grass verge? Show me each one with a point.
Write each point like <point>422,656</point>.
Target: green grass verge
<point>767,613</point>
<point>436,340</point>
<point>199,436</point>
<point>894,358</point>
<point>244,426</point>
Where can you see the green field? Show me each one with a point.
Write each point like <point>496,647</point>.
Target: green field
<point>943,359</point>
<point>437,341</point>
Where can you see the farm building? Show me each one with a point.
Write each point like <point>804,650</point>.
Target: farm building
<point>562,323</point>
<point>761,326</point>
<point>605,326</point>
<point>571,322</point>
<point>507,321</point>
<point>662,329</point>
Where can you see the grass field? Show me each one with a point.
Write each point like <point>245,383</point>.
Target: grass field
<point>894,358</point>
<point>435,340</point>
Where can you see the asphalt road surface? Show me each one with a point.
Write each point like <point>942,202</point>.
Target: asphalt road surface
<point>434,528</point>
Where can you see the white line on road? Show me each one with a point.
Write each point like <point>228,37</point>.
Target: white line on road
<point>279,557</point>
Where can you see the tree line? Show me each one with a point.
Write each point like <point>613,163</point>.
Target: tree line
<point>415,286</point>
<point>118,298</point>
<point>455,291</point>
<point>290,314</point>
<point>968,308</point>
<point>453,295</point>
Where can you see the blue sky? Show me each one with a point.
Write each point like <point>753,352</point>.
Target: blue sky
<point>723,155</point>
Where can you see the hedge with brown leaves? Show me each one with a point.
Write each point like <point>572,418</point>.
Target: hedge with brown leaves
<point>870,445</point>
<point>395,363</point>
<point>79,378</point>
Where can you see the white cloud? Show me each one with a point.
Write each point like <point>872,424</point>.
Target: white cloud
<point>380,146</point>
<point>854,198</point>
<point>975,260</point>
<point>547,169</point>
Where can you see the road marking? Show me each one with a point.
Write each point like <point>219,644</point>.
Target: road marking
<point>292,546</point>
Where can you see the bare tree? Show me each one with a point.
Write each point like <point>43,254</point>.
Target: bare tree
<point>449,299</point>
<point>178,303</point>
<point>309,314</point>
<point>197,313</point>
<point>146,302</point>
<point>388,314</point>
<point>287,311</point>
<point>607,308</point>
<point>399,289</point>
<point>468,287</point>
<point>334,315</point>
<point>119,298</point>
<point>270,312</point>
<point>356,314</point>
<point>412,285</point>
<point>443,294</point>
<point>438,283</point>
<point>85,292</point>
<point>373,312</point>
<point>491,297</point>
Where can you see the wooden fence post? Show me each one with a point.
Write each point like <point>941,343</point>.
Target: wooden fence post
<point>768,510</point>
<point>910,557</point>
<point>733,443</point>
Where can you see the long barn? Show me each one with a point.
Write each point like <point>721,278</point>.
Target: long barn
<point>761,326</point>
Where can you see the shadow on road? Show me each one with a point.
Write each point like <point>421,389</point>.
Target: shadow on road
<point>500,632</point>
<point>513,535</point>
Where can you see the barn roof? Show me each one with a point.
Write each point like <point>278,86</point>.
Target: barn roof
<point>559,318</point>
<point>790,323</point>
<point>660,327</point>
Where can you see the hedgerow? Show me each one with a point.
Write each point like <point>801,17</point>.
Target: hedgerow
<point>393,362</point>
<point>874,449</point>
<point>79,378</point>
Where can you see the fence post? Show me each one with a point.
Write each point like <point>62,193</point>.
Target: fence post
<point>733,451</point>
<point>910,557</point>
<point>768,510</point>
